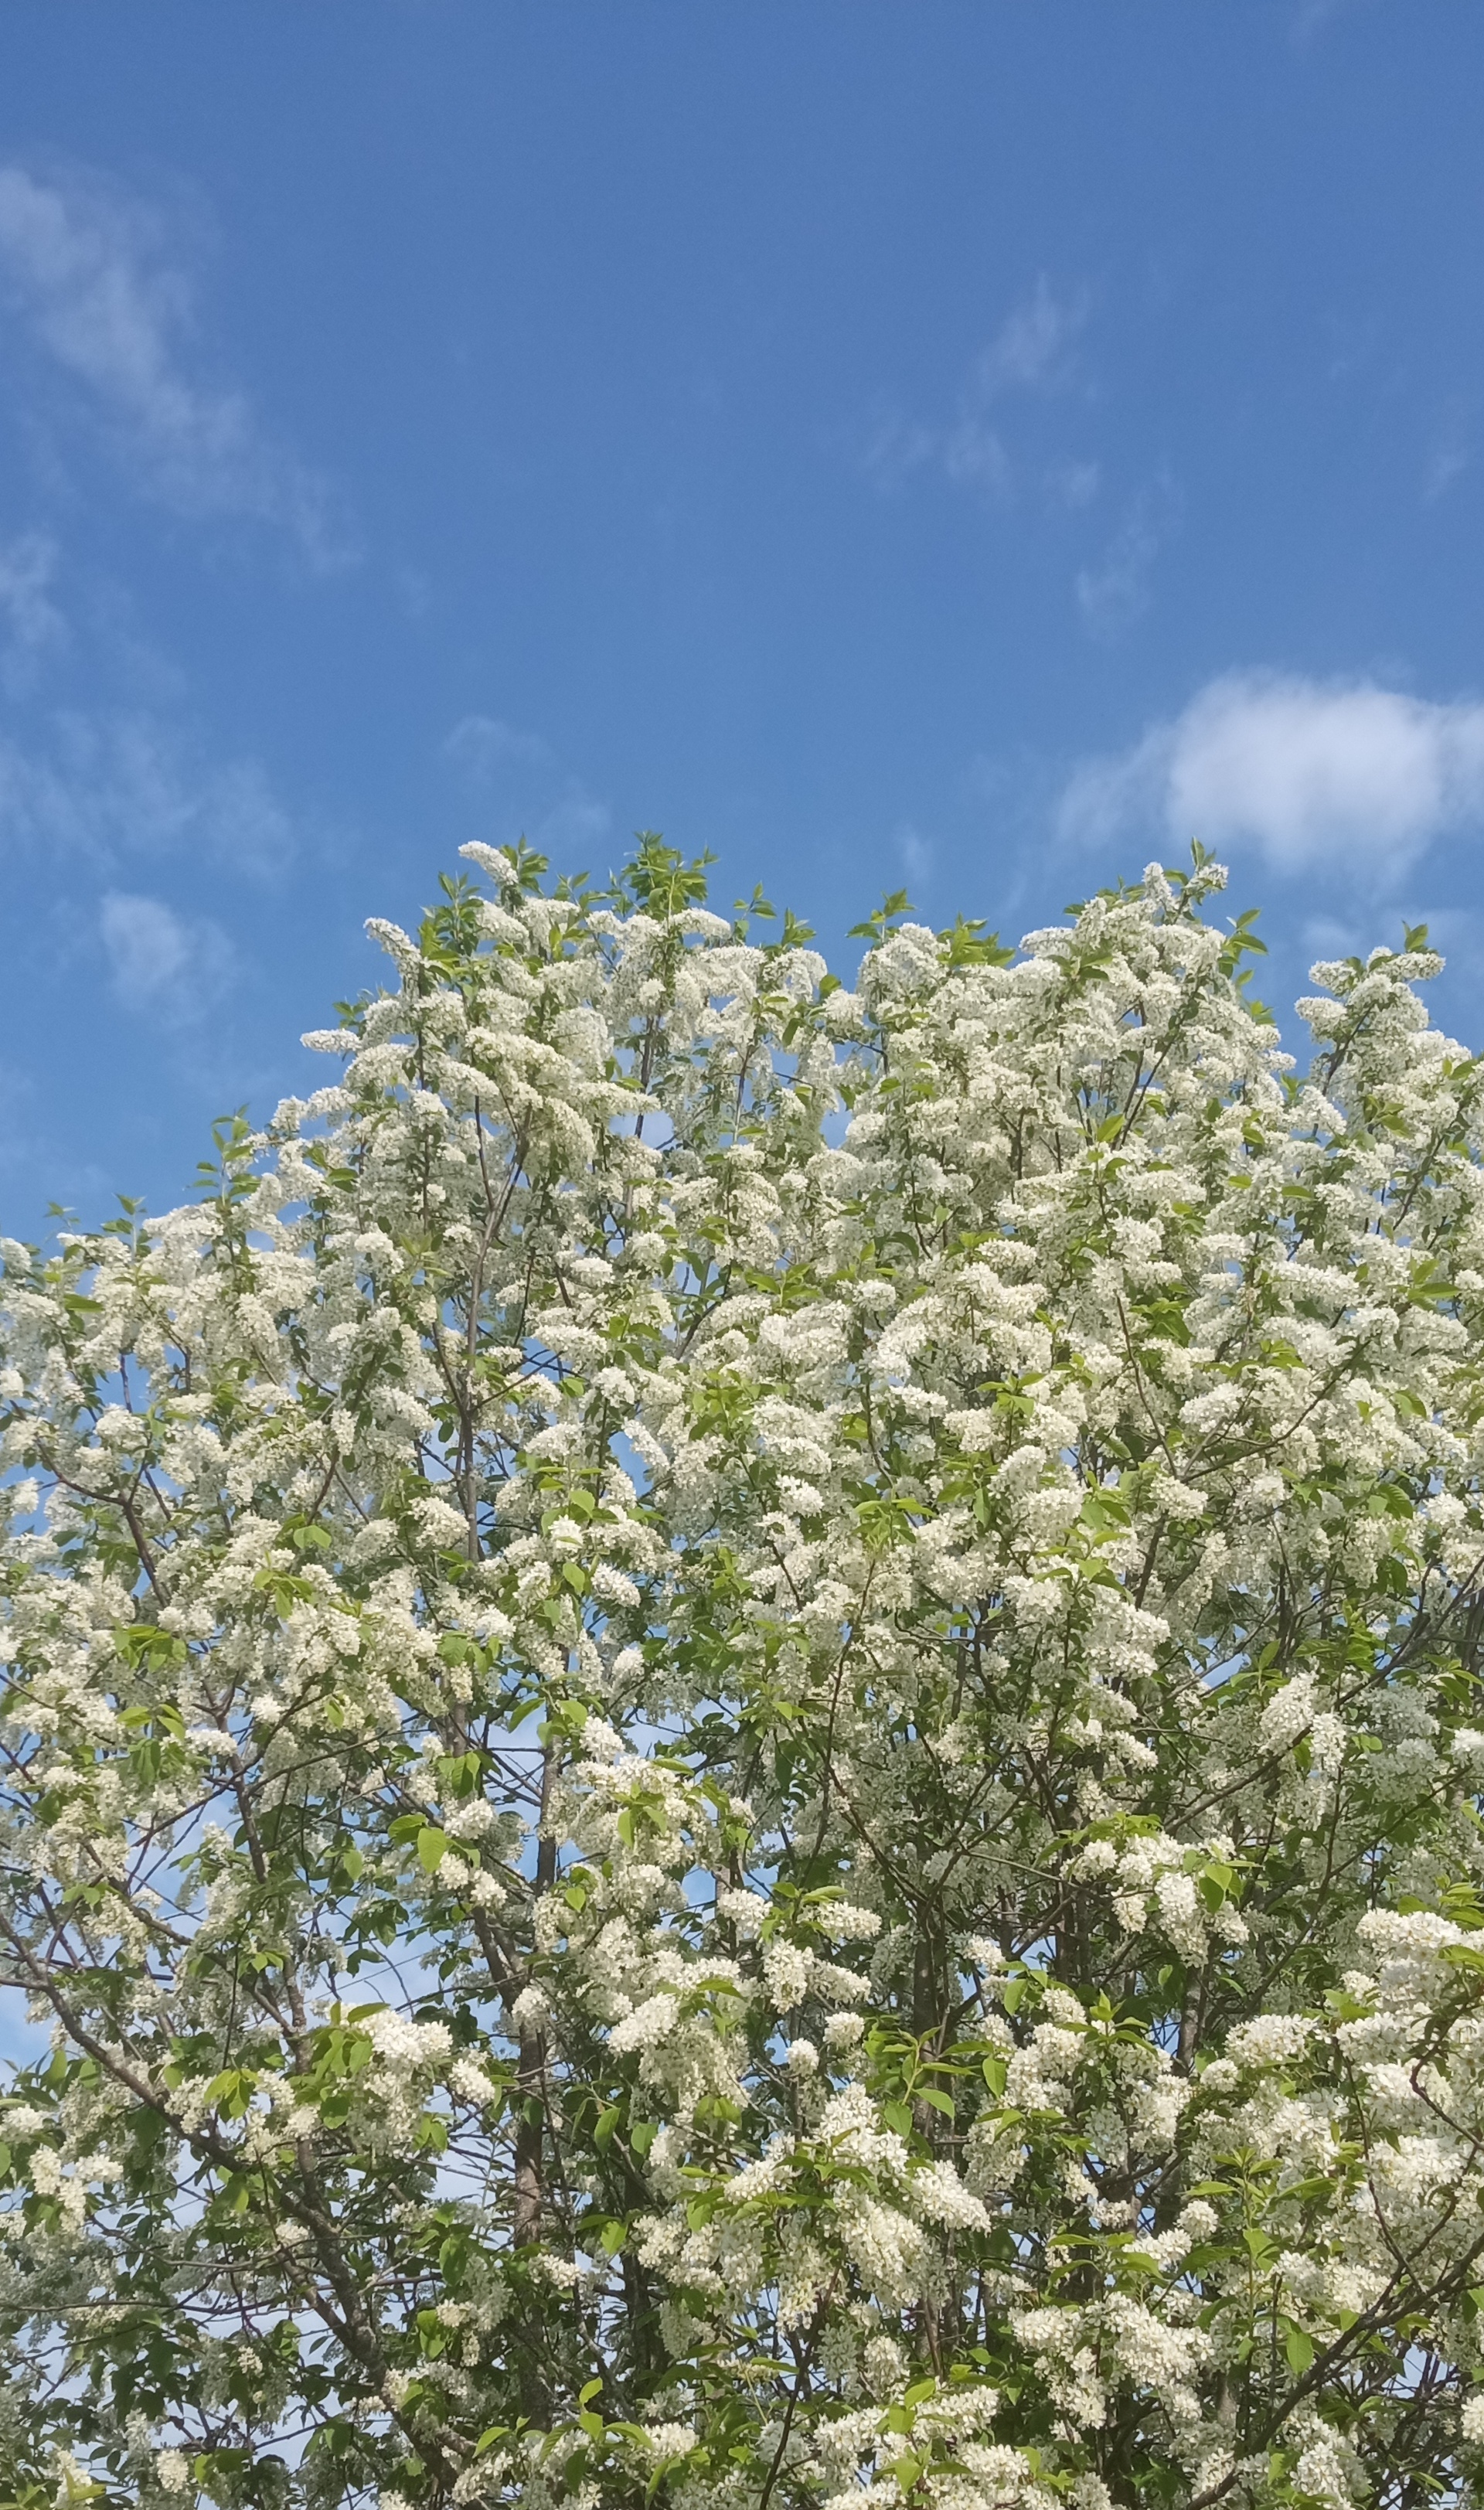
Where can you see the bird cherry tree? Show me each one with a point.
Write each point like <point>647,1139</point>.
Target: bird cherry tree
<point>742,1731</point>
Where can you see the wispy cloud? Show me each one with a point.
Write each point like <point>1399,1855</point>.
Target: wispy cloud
<point>1451,453</point>
<point>169,967</point>
<point>109,786</point>
<point>1071,484</point>
<point>481,744</point>
<point>1115,592</point>
<point>29,618</point>
<point>522,779</point>
<point>87,271</point>
<point>1032,351</point>
<point>1312,773</point>
<point>1032,348</point>
<point>1312,17</point>
<point>917,854</point>
<point>576,823</point>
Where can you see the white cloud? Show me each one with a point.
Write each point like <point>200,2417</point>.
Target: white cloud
<point>84,268</point>
<point>576,819</point>
<point>916,854</point>
<point>537,796</point>
<point>484,744</point>
<point>1116,592</point>
<point>1031,351</point>
<point>1312,773</point>
<point>1312,17</point>
<point>162,964</point>
<point>1451,455</point>
<point>31,619</point>
<point>118,785</point>
<point>1071,484</point>
<point>971,453</point>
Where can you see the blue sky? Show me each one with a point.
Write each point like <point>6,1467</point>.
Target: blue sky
<point>972,447</point>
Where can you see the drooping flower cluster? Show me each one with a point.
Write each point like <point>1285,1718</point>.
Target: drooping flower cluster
<point>742,1740</point>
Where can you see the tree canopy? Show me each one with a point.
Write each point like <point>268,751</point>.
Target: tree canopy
<point>741,1730</point>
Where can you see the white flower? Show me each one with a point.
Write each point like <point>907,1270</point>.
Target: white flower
<point>785,1975</point>
<point>530,2012</point>
<point>1178,1499</point>
<point>844,1924</point>
<point>744,1910</point>
<point>407,2046</point>
<point>649,2024</point>
<point>669,2441</point>
<point>1268,2040</point>
<point>1320,2473</point>
<point>472,2083</point>
<point>939,2194</point>
<point>1288,1714</point>
<point>1180,1912</point>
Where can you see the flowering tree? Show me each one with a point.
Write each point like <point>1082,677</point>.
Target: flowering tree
<point>741,1743</point>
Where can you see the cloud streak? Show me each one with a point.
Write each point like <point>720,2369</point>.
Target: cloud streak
<point>1312,775</point>
<point>520,775</point>
<point>164,966</point>
<point>1032,348</point>
<point>482,745</point>
<point>1113,595</point>
<point>83,269</point>
<point>1032,351</point>
<point>29,620</point>
<point>112,785</point>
